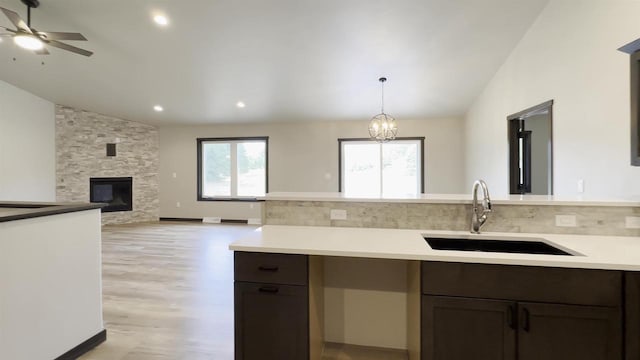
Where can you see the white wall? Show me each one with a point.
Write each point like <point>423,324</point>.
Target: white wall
<point>569,55</point>
<point>27,146</point>
<point>302,157</point>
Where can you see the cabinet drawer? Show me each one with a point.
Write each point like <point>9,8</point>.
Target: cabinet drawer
<point>271,322</point>
<point>524,283</point>
<point>288,269</point>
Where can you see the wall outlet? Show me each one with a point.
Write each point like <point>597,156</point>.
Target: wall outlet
<point>566,220</point>
<point>211,220</point>
<point>632,222</point>
<point>174,175</point>
<point>178,204</point>
<point>338,214</point>
<point>254,221</point>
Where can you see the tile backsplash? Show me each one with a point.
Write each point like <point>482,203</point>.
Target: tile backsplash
<point>590,220</point>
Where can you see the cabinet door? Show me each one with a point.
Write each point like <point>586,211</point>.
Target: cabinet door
<point>569,332</point>
<point>271,322</point>
<point>468,329</point>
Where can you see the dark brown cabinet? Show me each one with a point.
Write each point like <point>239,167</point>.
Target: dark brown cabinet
<point>463,329</point>
<point>533,313</point>
<point>271,318</point>
<point>271,321</point>
<point>632,315</point>
<point>465,311</point>
<point>568,332</point>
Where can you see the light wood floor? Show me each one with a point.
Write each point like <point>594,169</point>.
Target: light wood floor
<point>168,291</point>
<point>168,294</point>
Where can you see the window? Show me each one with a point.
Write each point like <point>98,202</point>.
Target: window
<point>392,169</point>
<point>232,168</point>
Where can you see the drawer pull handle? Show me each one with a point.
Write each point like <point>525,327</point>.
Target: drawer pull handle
<point>268,268</point>
<point>268,289</point>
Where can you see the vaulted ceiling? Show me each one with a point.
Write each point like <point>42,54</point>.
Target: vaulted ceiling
<point>287,60</point>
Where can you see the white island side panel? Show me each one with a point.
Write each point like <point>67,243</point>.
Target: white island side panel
<point>51,288</point>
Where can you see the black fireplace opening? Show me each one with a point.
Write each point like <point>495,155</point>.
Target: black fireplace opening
<point>115,191</point>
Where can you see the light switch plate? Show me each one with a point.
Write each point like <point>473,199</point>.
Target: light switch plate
<point>338,214</point>
<point>632,222</point>
<point>566,220</point>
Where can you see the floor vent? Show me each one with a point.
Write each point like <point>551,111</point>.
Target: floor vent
<point>233,221</point>
<point>211,220</point>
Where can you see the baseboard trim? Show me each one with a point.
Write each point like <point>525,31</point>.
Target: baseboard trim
<point>181,219</point>
<point>85,346</point>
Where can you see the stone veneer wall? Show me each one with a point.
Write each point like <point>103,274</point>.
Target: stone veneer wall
<point>591,220</point>
<point>81,138</point>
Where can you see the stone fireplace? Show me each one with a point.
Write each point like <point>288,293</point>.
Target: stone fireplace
<point>126,178</point>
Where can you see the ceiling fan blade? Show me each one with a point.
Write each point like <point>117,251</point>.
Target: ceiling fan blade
<point>64,46</point>
<point>9,30</point>
<point>16,20</point>
<point>49,35</point>
<point>42,51</point>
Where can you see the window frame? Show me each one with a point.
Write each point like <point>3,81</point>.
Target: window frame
<point>422,159</point>
<point>200,141</point>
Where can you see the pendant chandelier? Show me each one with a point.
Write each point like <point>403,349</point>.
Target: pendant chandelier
<point>383,127</point>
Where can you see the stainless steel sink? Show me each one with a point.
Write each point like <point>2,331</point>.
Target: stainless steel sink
<point>499,244</point>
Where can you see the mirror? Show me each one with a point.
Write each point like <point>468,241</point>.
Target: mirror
<point>531,150</point>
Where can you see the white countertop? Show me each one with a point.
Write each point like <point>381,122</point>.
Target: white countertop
<point>597,252</point>
<point>453,199</point>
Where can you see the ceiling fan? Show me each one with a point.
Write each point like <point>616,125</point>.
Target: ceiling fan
<point>31,39</point>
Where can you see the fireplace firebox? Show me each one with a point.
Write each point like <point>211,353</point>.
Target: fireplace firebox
<point>115,191</point>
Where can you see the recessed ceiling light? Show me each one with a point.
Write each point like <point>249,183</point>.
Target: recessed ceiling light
<point>161,20</point>
<point>158,108</point>
<point>240,104</point>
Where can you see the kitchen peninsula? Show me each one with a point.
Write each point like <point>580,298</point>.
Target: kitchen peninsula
<point>51,288</point>
<point>597,289</point>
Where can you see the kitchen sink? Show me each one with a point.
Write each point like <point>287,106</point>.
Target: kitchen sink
<point>493,244</point>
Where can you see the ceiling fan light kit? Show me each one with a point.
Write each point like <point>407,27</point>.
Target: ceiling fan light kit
<point>29,38</point>
<point>28,42</point>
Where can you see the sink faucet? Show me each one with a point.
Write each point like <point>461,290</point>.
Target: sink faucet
<point>479,217</point>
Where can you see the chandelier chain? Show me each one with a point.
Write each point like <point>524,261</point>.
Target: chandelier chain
<point>382,107</point>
